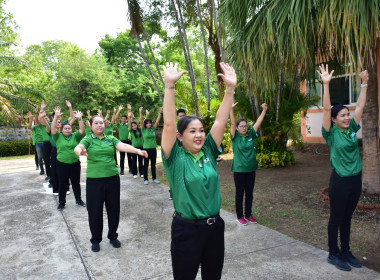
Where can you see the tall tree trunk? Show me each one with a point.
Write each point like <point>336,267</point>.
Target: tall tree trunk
<point>371,137</point>
<point>206,56</point>
<point>148,67</point>
<point>254,101</point>
<point>279,95</point>
<point>186,53</point>
<point>154,58</point>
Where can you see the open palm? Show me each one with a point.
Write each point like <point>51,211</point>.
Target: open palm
<point>171,74</point>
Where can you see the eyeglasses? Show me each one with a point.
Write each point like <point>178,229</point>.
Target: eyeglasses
<point>242,126</point>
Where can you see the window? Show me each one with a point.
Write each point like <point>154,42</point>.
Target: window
<point>344,89</point>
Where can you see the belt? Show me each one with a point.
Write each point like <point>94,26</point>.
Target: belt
<point>206,221</point>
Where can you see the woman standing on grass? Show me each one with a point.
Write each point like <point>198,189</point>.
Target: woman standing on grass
<point>68,164</point>
<point>103,181</point>
<point>150,145</point>
<point>137,142</point>
<point>339,130</point>
<point>244,164</point>
<point>197,229</point>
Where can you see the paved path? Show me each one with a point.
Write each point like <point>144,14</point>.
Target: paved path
<point>39,242</point>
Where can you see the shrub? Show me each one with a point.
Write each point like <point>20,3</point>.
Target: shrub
<point>15,148</point>
<point>275,159</point>
<point>227,144</point>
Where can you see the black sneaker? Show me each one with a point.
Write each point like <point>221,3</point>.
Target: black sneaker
<point>47,178</point>
<point>50,186</point>
<point>121,172</point>
<point>338,261</point>
<point>115,243</point>
<point>61,206</point>
<point>81,203</point>
<point>95,247</point>
<point>349,257</point>
<point>42,172</point>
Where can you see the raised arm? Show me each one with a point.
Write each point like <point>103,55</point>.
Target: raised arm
<point>360,104</point>
<point>141,117</point>
<point>113,115</point>
<point>78,115</point>
<point>30,116</point>
<point>326,78</point>
<point>43,121</point>
<point>117,114</point>
<point>88,114</point>
<point>261,117</point>
<point>126,148</point>
<point>229,78</point>
<point>108,114</point>
<point>100,113</point>
<point>158,118</point>
<point>36,113</point>
<point>129,119</point>
<point>72,119</point>
<point>68,104</point>
<point>169,133</point>
<point>233,121</point>
<point>57,113</point>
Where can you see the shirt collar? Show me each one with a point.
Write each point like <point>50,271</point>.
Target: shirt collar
<point>94,136</point>
<point>346,132</point>
<point>199,156</point>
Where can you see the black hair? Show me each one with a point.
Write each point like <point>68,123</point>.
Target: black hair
<point>181,111</point>
<point>239,121</point>
<point>146,121</point>
<point>184,122</point>
<point>124,116</point>
<point>138,130</point>
<point>335,110</point>
<point>93,117</point>
<point>52,115</point>
<point>64,124</point>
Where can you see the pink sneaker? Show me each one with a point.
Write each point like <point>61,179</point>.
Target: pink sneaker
<point>242,221</point>
<point>251,219</point>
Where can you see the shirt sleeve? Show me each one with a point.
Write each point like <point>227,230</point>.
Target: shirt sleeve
<point>328,135</point>
<point>56,136</point>
<point>114,140</point>
<point>211,146</point>
<point>353,126</point>
<point>173,154</point>
<point>253,133</point>
<point>78,136</point>
<point>86,141</point>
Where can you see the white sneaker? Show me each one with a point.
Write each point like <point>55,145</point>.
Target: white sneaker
<point>56,194</point>
<point>134,176</point>
<point>142,176</point>
<point>146,182</point>
<point>156,181</point>
<point>67,192</point>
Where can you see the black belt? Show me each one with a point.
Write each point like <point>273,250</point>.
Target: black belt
<point>206,221</point>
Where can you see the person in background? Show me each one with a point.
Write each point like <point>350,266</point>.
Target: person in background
<point>244,164</point>
<point>68,163</point>
<point>109,127</point>
<point>137,142</point>
<point>46,142</point>
<point>339,130</point>
<point>103,181</point>
<point>150,145</point>
<point>31,120</point>
<point>180,114</point>
<point>39,140</point>
<point>197,235</point>
<point>124,137</point>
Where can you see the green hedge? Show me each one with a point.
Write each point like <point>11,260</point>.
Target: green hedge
<point>15,148</point>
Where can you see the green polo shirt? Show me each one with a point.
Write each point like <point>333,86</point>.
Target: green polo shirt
<point>100,161</point>
<point>45,135</point>
<point>38,134</point>
<point>109,130</point>
<point>194,183</point>
<point>123,131</point>
<point>344,149</point>
<point>244,152</point>
<point>88,130</point>
<point>136,141</point>
<point>34,137</point>
<point>51,138</point>
<point>149,138</point>
<point>66,145</point>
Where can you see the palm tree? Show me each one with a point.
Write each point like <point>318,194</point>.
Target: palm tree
<point>301,33</point>
<point>137,28</point>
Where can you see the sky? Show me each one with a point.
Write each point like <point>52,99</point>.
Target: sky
<point>83,22</point>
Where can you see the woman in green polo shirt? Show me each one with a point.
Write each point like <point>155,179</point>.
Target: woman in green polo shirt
<point>103,181</point>
<point>137,142</point>
<point>123,129</point>
<point>150,145</point>
<point>68,164</point>
<point>339,130</point>
<point>191,168</point>
<point>244,164</point>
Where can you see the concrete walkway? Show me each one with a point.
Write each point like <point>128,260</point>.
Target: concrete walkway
<point>39,242</point>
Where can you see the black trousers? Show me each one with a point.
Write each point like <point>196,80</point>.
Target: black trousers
<point>47,149</point>
<point>100,191</point>
<point>129,157</point>
<point>344,193</point>
<point>244,183</point>
<point>35,155</point>
<point>134,163</point>
<point>152,156</point>
<point>194,245</point>
<point>68,172</point>
<point>54,170</point>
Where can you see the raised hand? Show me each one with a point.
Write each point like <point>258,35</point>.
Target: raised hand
<point>30,114</point>
<point>129,114</point>
<point>171,74</point>
<point>234,104</point>
<point>229,76</point>
<point>57,112</point>
<point>99,112</point>
<point>129,107</point>
<point>364,76</point>
<point>108,111</point>
<point>36,110</point>
<point>324,73</point>
<point>140,109</point>
<point>146,112</point>
<point>121,107</point>
<point>88,112</point>
<point>68,104</point>
<point>78,115</point>
<point>43,105</point>
<point>42,114</point>
<point>264,106</point>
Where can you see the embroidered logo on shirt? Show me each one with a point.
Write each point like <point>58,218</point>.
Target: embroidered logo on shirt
<point>352,135</point>
<point>250,139</point>
<point>206,160</point>
<point>108,142</point>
